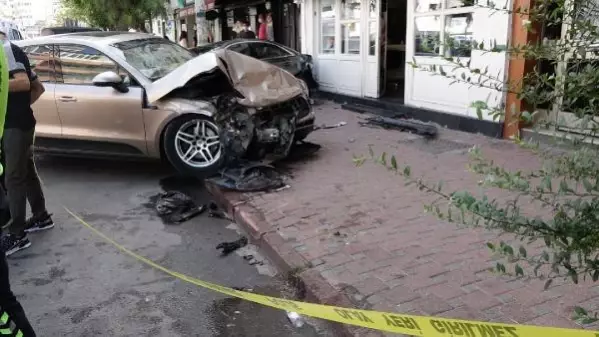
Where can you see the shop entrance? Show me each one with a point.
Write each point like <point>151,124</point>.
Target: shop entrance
<point>393,49</point>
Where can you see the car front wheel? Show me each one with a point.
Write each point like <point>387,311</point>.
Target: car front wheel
<point>192,145</point>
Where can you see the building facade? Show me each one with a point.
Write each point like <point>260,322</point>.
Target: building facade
<point>369,49</point>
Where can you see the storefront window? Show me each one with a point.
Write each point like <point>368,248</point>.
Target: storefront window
<point>350,26</point>
<point>423,6</point>
<point>428,35</point>
<point>327,27</point>
<point>458,35</point>
<point>350,38</point>
<point>372,10</point>
<point>350,9</point>
<point>438,32</point>
<point>372,32</point>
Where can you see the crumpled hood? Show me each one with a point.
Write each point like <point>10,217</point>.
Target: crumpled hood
<point>260,83</point>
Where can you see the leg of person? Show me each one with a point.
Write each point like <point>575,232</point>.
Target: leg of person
<point>9,303</point>
<point>40,220</point>
<point>17,144</point>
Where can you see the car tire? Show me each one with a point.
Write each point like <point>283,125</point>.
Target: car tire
<point>192,145</point>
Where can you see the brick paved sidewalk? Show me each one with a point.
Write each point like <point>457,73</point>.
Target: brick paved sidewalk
<point>365,233</point>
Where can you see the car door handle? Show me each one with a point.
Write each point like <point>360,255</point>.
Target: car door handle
<point>67,99</point>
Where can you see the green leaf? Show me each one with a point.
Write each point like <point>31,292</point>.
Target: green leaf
<point>384,158</point>
<point>407,171</point>
<point>522,251</point>
<point>580,311</point>
<point>519,271</point>
<point>595,275</point>
<point>491,246</point>
<point>508,250</point>
<point>573,275</point>
<point>393,163</point>
<point>548,284</point>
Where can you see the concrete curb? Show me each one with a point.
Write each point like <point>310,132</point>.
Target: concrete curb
<point>284,256</point>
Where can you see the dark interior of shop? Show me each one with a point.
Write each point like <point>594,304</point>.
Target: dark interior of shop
<point>394,53</point>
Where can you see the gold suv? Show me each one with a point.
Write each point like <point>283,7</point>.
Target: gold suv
<point>137,95</point>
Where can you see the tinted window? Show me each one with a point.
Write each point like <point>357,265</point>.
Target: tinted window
<point>80,64</point>
<point>14,35</point>
<point>241,48</point>
<point>266,51</point>
<point>40,57</point>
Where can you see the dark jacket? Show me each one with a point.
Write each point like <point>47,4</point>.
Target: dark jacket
<point>247,34</point>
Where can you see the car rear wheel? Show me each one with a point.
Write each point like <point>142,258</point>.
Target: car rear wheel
<point>192,145</point>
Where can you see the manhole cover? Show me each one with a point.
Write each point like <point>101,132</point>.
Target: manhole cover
<point>436,146</point>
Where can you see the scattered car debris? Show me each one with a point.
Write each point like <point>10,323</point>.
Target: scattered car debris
<point>417,127</point>
<point>229,247</point>
<point>301,151</point>
<point>333,126</point>
<point>254,110</point>
<point>215,212</point>
<point>176,207</point>
<point>295,319</point>
<point>253,177</point>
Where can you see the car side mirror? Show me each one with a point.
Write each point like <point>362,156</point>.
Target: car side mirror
<point>111,79</point>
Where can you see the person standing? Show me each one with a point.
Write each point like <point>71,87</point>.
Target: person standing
<point>21,179</point>
<point>263,28</point>
<point>247,33</point>
<point>183,39</point>
<point>13,315</point>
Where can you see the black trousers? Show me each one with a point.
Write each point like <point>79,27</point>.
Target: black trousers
<point>8,301</point>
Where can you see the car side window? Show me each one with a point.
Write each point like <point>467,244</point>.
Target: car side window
<point>79,64</point>
<point>40,57</point>
<point>268,51</point>
<point>242,48</point>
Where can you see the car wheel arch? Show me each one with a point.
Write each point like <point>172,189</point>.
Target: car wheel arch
<point>175,117</point>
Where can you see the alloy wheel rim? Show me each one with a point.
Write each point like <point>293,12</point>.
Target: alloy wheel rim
<point>198,143</point>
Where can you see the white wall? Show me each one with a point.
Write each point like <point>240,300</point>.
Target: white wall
<point>342,74</point>
<point>436,92</point>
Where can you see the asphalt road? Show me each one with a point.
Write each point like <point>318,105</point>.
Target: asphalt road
<point>71,283</point>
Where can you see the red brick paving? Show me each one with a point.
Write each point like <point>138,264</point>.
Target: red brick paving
<point>363,228</point>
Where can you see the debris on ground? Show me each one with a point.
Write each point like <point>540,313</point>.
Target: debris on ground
<point>215,212</point>
<point>229,247</point>
<point>295,319</point>
<point>332,126</point>
<point>251,177</point>
<point>176,207</point>
<point>302,150</point>
<point>414,126</point>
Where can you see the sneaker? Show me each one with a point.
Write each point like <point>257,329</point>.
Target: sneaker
<point>11,244</point>
<point>41,223</point>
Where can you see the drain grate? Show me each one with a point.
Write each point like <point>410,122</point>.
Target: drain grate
<point>436,146</point>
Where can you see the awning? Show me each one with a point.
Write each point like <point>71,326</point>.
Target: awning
<point>209,4</point>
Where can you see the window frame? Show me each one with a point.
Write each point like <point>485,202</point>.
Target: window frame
<point>59,76</point>
<point>51,61</point>
<point>443,13</point>
<point>555,112</point>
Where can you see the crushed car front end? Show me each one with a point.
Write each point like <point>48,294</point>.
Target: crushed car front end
<point>260,109</point>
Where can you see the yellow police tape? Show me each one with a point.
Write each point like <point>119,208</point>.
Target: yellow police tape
<point>389,322</point>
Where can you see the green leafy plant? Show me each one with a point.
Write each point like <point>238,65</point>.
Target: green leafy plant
<point>564,77</point>
<point>113,14</point>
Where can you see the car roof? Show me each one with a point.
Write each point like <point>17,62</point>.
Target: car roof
<point>98,38</point>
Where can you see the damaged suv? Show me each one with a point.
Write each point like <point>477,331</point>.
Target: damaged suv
<point>136,95</point>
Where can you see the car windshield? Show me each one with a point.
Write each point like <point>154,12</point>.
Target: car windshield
<point>154,58</point>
